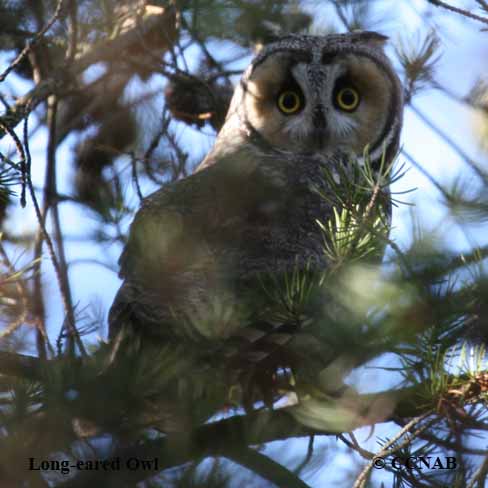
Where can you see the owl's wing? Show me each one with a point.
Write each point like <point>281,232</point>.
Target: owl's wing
<point>183,231</point>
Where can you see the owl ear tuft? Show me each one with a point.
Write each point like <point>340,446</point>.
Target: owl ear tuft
<point>373,39</point>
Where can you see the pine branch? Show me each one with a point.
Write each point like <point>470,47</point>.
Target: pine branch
<point>234,433</point>
<point>239,432</point>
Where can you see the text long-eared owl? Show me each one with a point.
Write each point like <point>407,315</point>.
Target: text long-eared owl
<point>305,103</point>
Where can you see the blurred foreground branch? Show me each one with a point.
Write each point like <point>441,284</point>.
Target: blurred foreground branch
<point>61,82</point>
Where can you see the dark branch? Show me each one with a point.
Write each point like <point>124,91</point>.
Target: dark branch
<point>103,51</point>
<point>457,10</point>
<point>265,467</point>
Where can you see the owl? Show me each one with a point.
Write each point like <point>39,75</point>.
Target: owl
<point>305,105</point>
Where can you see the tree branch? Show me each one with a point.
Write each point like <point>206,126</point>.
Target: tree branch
<point>50,189</point>
<point>20,365</point>
<point>31,43</point>
<point>465,13</point>
<point>448,140</point>
<point>234,434</point>
<point>265,467</point>
<point>238,432</point>
<point>110,48</point>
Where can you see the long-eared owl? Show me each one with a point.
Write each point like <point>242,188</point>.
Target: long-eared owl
<point>304,104</point>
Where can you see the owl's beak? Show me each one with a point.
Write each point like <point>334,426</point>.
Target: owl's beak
<point>319,123</point>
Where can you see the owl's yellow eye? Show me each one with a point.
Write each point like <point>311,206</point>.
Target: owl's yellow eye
<point>289,102</point>
<point>347,99</point>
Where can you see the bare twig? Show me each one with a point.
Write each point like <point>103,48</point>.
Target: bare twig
<point>388,450</point>
<point>450,142</point>
<point>32,42</point>
<point>353,444</point>
<point>339,10</point>
<point>457,10</point>
<point>483,4</point>
<point>45,236</point>
<point>308,456</point>
<point>479,477</point>
<point>425,173</point>
<point>135,178</point>
<point>460,99</point>
<point>52,203</point>
<point>96,262</point>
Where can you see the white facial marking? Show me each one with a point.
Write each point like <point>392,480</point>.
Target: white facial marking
<point>341,125</point>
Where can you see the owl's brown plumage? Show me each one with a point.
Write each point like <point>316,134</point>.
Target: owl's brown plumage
<point>305,104</point>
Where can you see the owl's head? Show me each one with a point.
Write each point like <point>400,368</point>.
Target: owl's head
<point>321,94</point>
